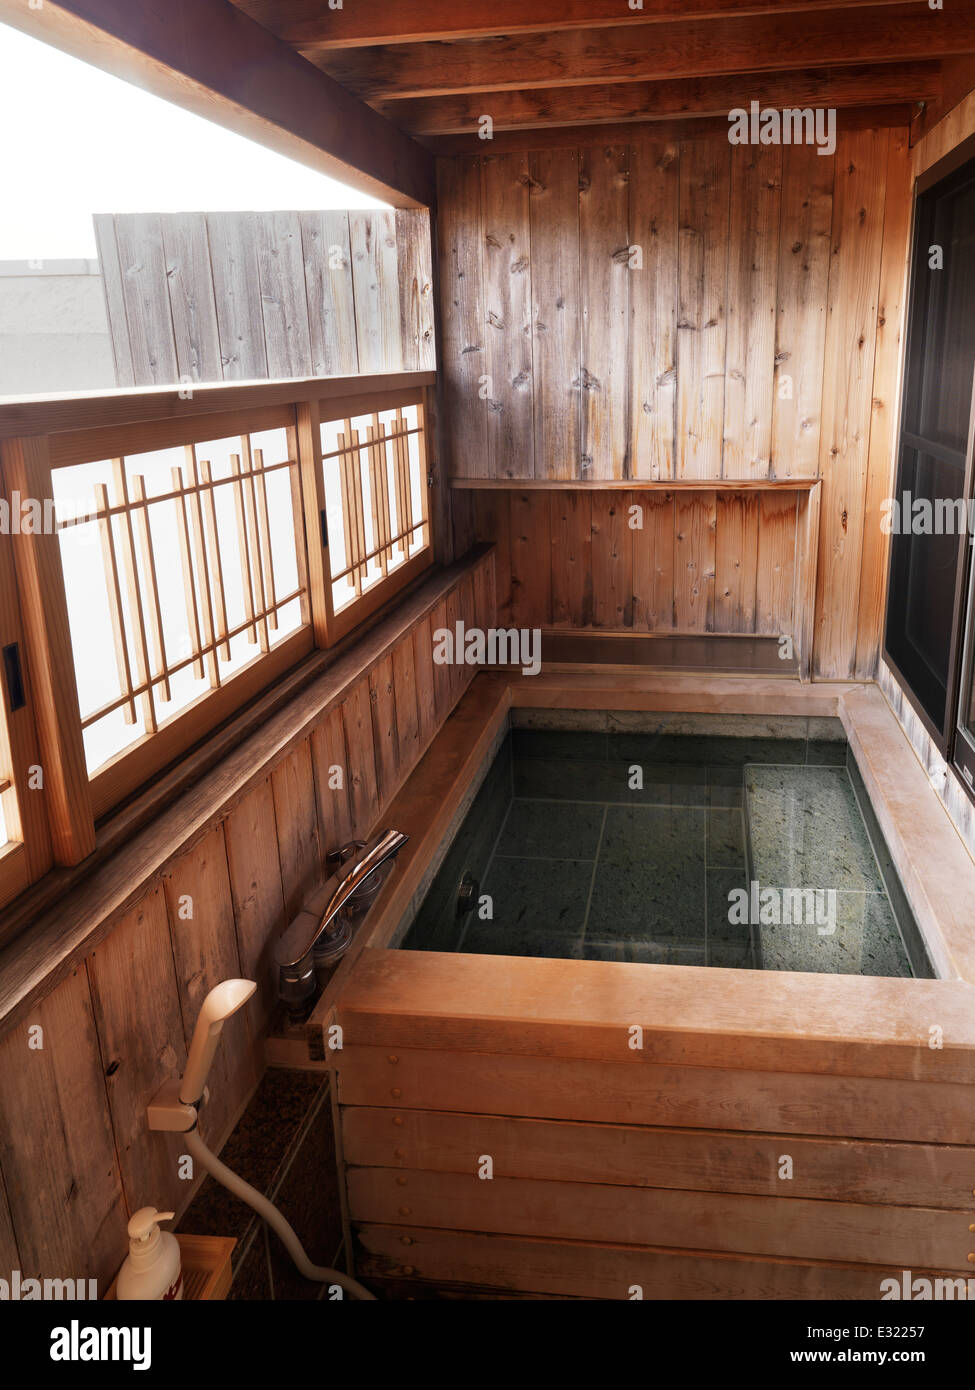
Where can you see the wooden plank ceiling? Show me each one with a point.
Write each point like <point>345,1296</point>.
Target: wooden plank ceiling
<point>435,68</point>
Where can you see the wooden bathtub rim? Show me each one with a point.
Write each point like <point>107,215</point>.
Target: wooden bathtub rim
<point>825,1017</point>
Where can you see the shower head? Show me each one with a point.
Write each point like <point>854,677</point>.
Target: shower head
<point>222,1001</point>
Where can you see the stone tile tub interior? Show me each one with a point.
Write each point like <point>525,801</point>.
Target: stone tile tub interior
<point>654,839</point>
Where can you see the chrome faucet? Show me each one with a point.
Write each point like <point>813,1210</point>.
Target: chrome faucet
<point>359,863</point>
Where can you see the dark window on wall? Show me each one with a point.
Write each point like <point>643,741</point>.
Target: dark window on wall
<point>927,567</point>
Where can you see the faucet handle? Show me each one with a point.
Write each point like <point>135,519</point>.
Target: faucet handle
<point>337,857</point>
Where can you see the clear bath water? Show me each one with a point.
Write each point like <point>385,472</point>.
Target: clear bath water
<point>748,850</point>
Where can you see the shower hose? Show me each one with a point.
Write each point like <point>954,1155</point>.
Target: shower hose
<point>236,1184</point>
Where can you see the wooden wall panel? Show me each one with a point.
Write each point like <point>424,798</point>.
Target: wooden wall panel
<point>654,213</point>
<point>556,347</point>
<point>463,325</point>
<point>800,329</point>
<point>246,296</point>
<point>728,1223</point>
<point>57,1150</point>
<point>141,1036</point>
<point>626,1093</point>
<point>296,818</point>
<point>506,277</point>
<point>604,180</point>
<point>205,950</point>
<point>577,1269</point>
<point>919,1175</point>
<point>733,319</point>
<point>848,381</point>
<point>705,182</point>
<point>749,372</point>
<point>703,561</point>
<point>255,867</point>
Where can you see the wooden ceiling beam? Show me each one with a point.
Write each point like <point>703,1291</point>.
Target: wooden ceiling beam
<point>632,101</point>
<point>904,33</point>
<point>313,24</point>
<point>212,59</point>
<point>627,133</point>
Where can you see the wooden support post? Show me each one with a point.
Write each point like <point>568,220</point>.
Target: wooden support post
<point>807,553</point>
<point>309,453</point>
<point>37,559</point>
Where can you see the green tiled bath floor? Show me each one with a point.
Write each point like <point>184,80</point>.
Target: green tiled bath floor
<point>579,855</point>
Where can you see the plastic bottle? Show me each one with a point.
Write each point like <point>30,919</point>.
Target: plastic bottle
<point>152,1269</point>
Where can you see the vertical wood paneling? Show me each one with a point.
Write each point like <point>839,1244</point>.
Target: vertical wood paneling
<point>463,322</point>
<point>363,787</point>
<point>296,818</point>
<point>605,275</point>
<point>148,315</point>
<point>612,561</point>
<point>236,277</point>
<point>258,898</point>
<point>653,309</point>
<point>423,670</point>
<point>506,273</point>
<point>554,212</point>
<point>57,1151</point>
<point>204,937</point>
<point>141,1033</point>
<point>382,699</point>
<point>653,564</point>
<point>736,561</point>
<point>776,562</point>
<point>9,1255</point>
<point>694,560</point>
<point>190,283</point>
<point>330,764</point>
<point>702,307</point>
<point>891,307</point>
<point>375,277</point>
<point>243,296</point>
<point>281,266</point>
<point>327,255</point>
<point>531,560</point>
<point>114,290</point>
<point>753,239</point>
<point>751,348</point>
<point>407,712</point>
<point>415,278</point>
<point>800,333</point>
<point>570,518</point>
<point>858,215</point>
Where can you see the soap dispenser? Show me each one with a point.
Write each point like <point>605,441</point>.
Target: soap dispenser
<point>152,1270</point>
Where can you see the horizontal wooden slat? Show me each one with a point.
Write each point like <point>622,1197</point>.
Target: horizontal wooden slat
<point>560,58</point>
<point>690,1016</point>
<point>729,1223</point>
<point>606,1271</point>
<point>634,101</point>
<point>86,410</point>
<point>923,1175</point>
<point>321,24</point>
<point>620,1093</point>
<point>635,485</point>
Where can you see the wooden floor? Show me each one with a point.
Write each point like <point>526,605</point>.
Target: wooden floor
<point>528,1128</point>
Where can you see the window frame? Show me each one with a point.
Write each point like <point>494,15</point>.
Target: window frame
<point>37,437</point>
<point>962,643</point>
<point>333,626</point>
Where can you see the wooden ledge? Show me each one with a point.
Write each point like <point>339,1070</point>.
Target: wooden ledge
<point>704,1016</point>
<point>634,484</point>
<point>934,865</point>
